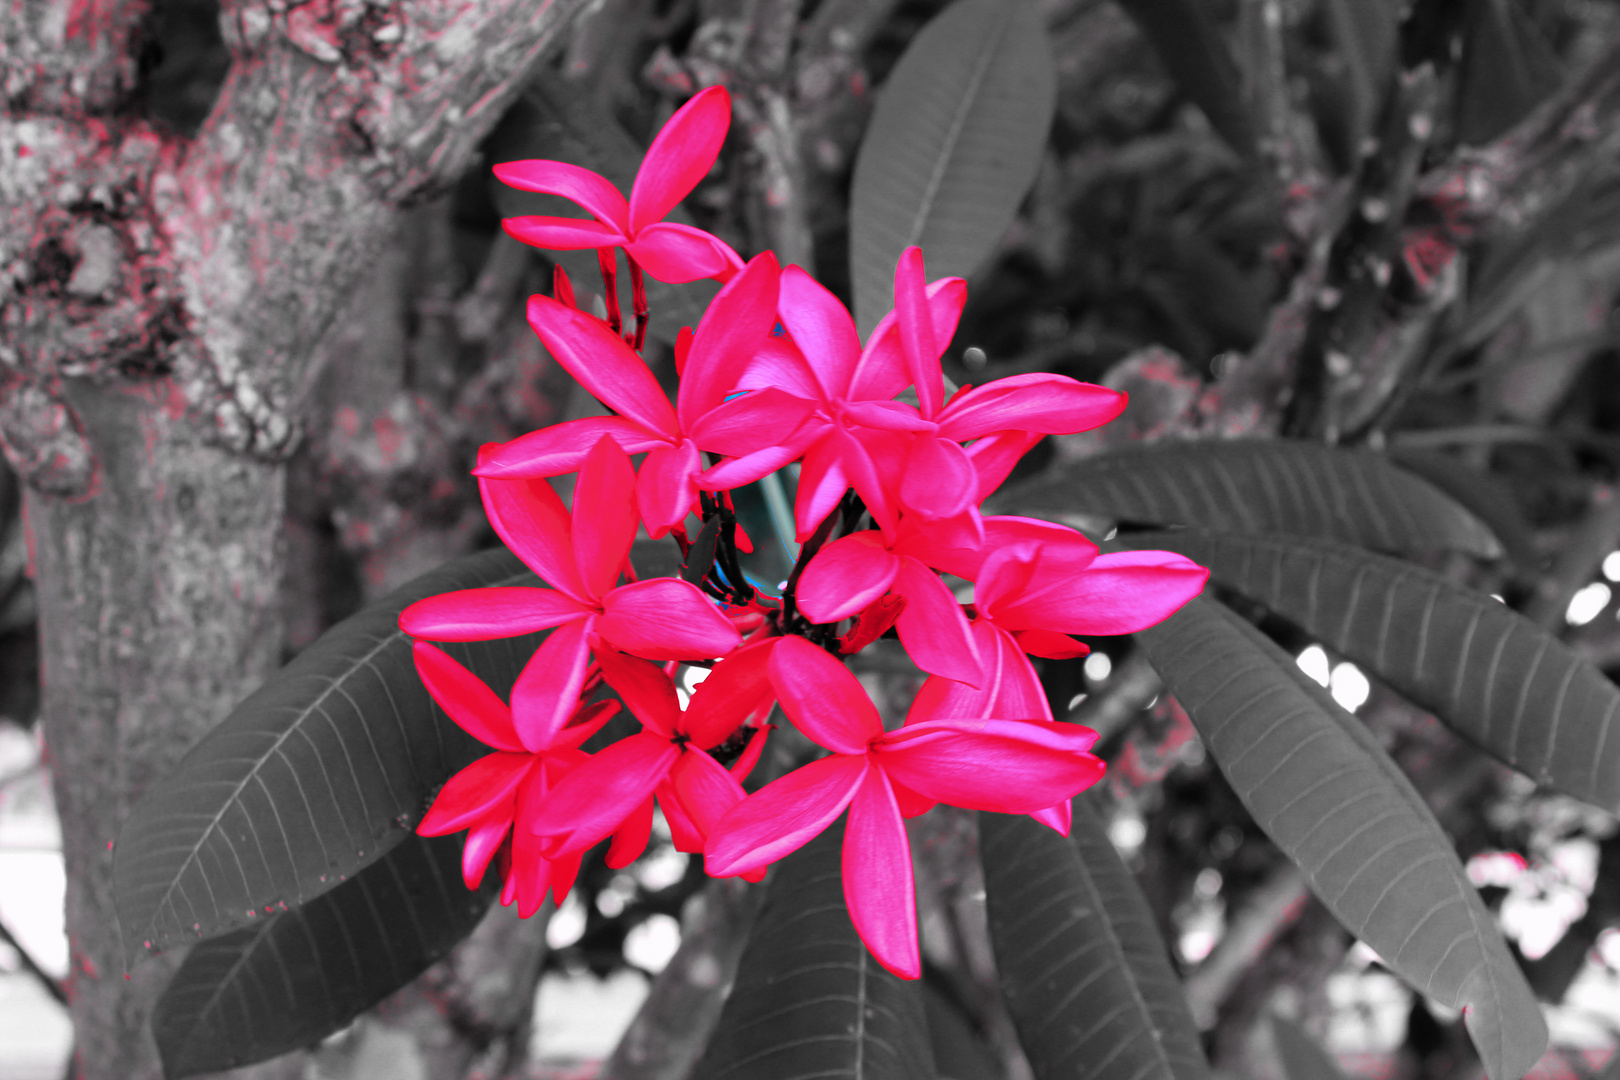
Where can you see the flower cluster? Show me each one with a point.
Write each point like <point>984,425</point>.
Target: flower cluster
<point>891,472</point>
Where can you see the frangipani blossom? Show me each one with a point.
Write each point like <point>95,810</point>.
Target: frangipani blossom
<point>678,158</point>
<point>666,758</point>
<point>581,553</point>
<point>496,797</point>
<point>732,331</point>
<point>1010,766</point>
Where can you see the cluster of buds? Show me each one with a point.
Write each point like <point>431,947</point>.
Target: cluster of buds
<point>888,499</point>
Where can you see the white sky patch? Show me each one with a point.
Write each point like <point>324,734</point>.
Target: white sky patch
<point>686,680</point>
<point>567,924</point>
<point>1587,603</point>
<point>1611,566</point>
<point>651,943</point>
<point>1349,686</point>
<point>1314,662</point>
<point>1098,667</point>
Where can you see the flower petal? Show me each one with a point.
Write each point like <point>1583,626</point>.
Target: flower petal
<point>1051,645</point>
<point>547,690</point>
<point>648,693</point>
<point>665,619</point>
<point>780,365</point>
<point>483,614</point>
<point>822,698</point>
<point>532,521</point>
<point>882,372</point>
<point>484,790</point>
<point>1036,401</point>
<point>484,839</point>
<point>681,155</point>
<point>585,722</point>
<point>676,254</point>
<point>735,472</point>
<point>604,520</point>
<point>750,756</point>
<point>682,833</point>
<point>845,576</point>
<point>910,803</point>
<point>916,326</point>
<point>1009,766</point>
<point>666,486</point>
<point>822,483</point>
<point>561,448</point>
<point>747,424</point>
<point>594,193</point>
<point>737,690</point>
<point>820,327</point>
<point>932,627</point>
<point>1000,532</point>
<point>878,885</point>
<point>630,838</point>
<point>473,706</point>
<point>1059,816</point>
<point>603,364</point>
<point>938,481</point>
<point>783,816</point>
<point>602,793</point>
<point>561,233</point>
<point>738,321</point>
<point>1119,593</point>
<point>995,457</point>
<point>706,791</point>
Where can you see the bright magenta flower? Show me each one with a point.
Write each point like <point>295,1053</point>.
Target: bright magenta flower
<point>667,757</point>
<point>496,797</point>
<point>733,329</point>
<point>581,554</point>
<point>679,157</point>
<point>1010,766</point>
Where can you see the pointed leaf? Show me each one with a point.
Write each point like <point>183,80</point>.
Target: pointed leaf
<point>299,975</point>
<point>953,145</point>
<point>1481,667</point>
<point>1260,486</point>
<point>809,1000</point>
<point>1320,785</point>
<point>1085,973</point>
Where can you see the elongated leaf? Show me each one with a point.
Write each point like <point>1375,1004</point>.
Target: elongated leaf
<point>317,774</point>
<point>1489,673</point>
<point>954,143</point>
<point>300,975</point>
<point>1083,969</point>
<point>1482,494</point>
<point>1190,45</point>
<point>1323,789</point>
<point>1364,32</point>
<point>809,1000</point>
<point>1507,69</point>
<point>1262,487</point>
<point>956,1046</point>
<point>1301,1058</point>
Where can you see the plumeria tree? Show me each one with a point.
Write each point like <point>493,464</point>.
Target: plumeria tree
<point>809,583</point>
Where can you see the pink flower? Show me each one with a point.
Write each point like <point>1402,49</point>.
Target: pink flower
<point>679,157</point>
<point>1010,766</point>
<point>735,326</point>
<point>496,797</point>
<point>667,757</point>
<point>580,553</point>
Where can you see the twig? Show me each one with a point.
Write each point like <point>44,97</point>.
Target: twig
<point>1266,913</point>
<point>1133,687</point>
<point>52,987</point>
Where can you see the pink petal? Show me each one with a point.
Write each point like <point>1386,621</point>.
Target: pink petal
<point>747,424</point>
<point>665,619</point>
<point>483,614</point>
<point>561,233</point>
<point>603,364</point>
<point>682,833</point>
<point>532,521</point>
<point>882,372</point>
<point>1051,645</point>
<point>783,816</point>
<point>738,321</point>
<point>463,695</point>
<point>916,326</point>
<point>878,885</point>
<point>483,841</point>
<point>595,193</point>
<point>938,481</point>
<point>531,874</point>
<point>846,576</point>
<point>1116,594</point>
<point>888,416</point>
<point>582,725</point>
<point>666,487</point>
<point>561,448</point>
<point>736,472</point>
<point>923,542</point>
<point>547,690</point>
<point>482,791</point>
<point>822,484</point>
<point>995,457</point>
<point>1003,575</point>
<point>750,756</point>
<point>1037,401</point>
<point>602,793</point>
<point>822,328</point>
<point>648,693</point>
<point>630,838</point>
<point>822,698</point>
<point>1009,766</point>
<point>677,254</point>
<point>864,474</point>
<point>910,803</point>
<point>1011,687</point>
<point>736,691</point>
<point>932,627</point>
<point>680,156</point>
<point>1059,816</point>
<point>706,791</point>
<point>604,517</point>
<point>781,366</point>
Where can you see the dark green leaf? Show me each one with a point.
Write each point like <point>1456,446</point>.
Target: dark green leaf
<point>300,975</point>
<point>1323,789</point>
<point>1301,1058</point>
<point>317,774</point>
<point>1365,33</point>
<point>1083,969</point>
<point>960,1052</point>
<point>559,120</point>
<point>809,1000</point>
<point>1259,486</point>
<point>954,143</point>
<point>1190,45</point>
<point>1507,69</point>
<point>1488,672</point>
<point>1480,493</point>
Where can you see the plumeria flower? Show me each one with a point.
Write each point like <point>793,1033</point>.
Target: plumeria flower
<point>496,797</point>
<point>731,332</point>
<point>580,553</point>
<point>679,157</point>
<point>667,758</point>
<point>1010,766</point>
